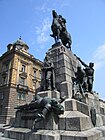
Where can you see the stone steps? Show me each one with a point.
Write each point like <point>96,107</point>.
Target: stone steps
<point>74,124</point>
<point>26,134</point>
<point>75,118</point>
<point>3,127</point>
<point>102,138</point>
<point>74,105</point>
<point>3,138</point>
<point>74,121</point>
<point>92,134</point>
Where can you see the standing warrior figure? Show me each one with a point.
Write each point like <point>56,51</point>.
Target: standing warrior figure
<point>48,74</point>
<point>80,80</point>
<point>89,70</point>
<point>79,84</point>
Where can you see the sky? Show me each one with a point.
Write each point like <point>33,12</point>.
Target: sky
<point>32,19</point>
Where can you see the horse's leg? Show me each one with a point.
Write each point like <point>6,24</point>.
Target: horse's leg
<point>66,43</point>
<point>63,42</point>
<point>58,35</point>
<point>55,39</point>
<point>54,36</point>
<point>69,45</point>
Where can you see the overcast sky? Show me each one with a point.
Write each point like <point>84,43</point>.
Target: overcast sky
<point>31,19</point>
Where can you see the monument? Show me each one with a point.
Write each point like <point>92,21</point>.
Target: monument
<point>66,107</point>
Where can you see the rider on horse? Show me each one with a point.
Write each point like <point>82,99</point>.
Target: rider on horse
<point>59,30</point>
<point>55,27</point>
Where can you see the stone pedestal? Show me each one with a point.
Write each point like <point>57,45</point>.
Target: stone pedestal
<point>26,119</point>
<point>65,64</point>
<point>76,122</point>
<point>50,94</point>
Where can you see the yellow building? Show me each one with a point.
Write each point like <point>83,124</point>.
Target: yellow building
<point>20,76</point>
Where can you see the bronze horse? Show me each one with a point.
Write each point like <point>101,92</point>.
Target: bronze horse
<point>58,28</point>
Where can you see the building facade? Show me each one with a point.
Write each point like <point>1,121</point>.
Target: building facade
<point>20,76</point>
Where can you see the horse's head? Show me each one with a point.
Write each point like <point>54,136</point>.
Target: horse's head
<point>54,14</point>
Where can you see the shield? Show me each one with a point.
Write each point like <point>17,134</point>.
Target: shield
<point>93,115</point>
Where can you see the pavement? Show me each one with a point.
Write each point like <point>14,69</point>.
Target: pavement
<point>2,135</point>
<point>3,138</point>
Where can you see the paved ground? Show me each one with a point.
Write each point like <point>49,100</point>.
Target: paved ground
<point>2,135</point>
<point>3,138</point>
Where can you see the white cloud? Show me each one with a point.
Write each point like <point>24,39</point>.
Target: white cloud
<point>42,8</point>
<point>99,57</point>
<point>42,31</point>
<point>64,4</point>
